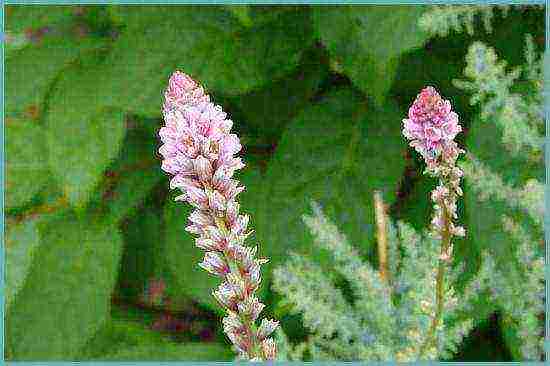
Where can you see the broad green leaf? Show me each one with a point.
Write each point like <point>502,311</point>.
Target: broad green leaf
<point>203,42</point>
<point>483,346</point>
<point>31,71</point>
<point>143,257</point>
<point>21,243</point>
<point>26,161</point>
<point>254,57</point>
<point>249,15</point>
<point>82,135</point>
<point>173,352</point>
<point>272,107</point>
<point>66,296</point>
<point>183,257</point>
<point>242,13</point>
<point>122,331</point>
<point>367,41</point>
<point>132,176</point>
<point>336,152</point>
<point>20,18</point>
<point>444,61</point>
<point>417,207</point>
<point>508,36</point>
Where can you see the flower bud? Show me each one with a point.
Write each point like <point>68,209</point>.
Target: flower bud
<point>214,263</point>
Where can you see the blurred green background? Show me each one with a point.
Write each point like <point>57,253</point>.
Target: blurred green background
<point>99,266</point>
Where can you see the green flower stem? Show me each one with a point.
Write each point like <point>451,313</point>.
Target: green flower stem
<point>446,235</point>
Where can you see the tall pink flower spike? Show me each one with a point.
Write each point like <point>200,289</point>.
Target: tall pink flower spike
<point>199,151</point>
<point>431,129</point>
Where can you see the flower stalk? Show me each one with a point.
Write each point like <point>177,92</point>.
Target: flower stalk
<point>381,236</point>
<point>431,129</point>
<point>199,152</point>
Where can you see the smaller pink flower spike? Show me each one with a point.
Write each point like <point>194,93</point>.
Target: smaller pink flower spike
<point>431,129</point>
<point>432,125</point>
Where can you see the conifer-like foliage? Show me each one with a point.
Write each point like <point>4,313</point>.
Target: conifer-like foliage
<point>385,313</point>
<point>517,117</point>
<point>441,19</point>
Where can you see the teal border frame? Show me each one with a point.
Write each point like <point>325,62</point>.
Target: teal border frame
<point>547,171</point>
<point>273,2</point>
<point>2,268</point>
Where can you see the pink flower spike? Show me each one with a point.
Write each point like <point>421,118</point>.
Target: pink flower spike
<point>199,152</point>
<point>431,125</point>
<point>431,129</point>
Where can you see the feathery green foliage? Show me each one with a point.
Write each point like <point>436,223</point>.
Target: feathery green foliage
<point>517,288</point>
<point>374,318</point>
<point>518,118</point>
<point>441,19</point>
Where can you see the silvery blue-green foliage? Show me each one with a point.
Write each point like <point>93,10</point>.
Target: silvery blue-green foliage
<point>518,290</point>
<point>518,116</point>
<point>528,198</point>
<point>384,318</point>
<point>441,19</point>
<point>513,102</point>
